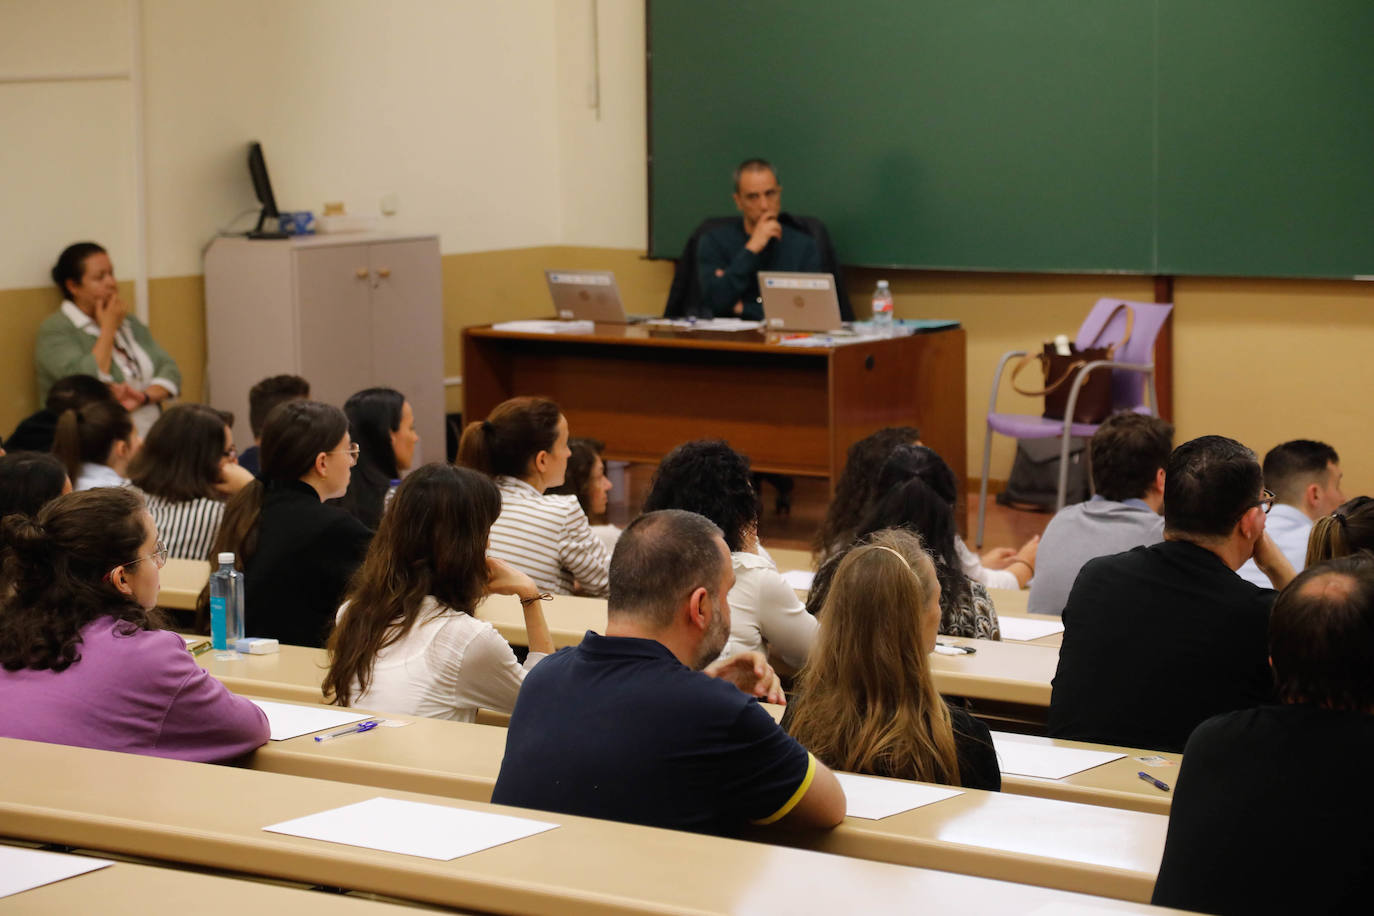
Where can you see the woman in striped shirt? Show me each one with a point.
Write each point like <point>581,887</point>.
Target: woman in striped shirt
<point>523,445</point>
<point>187,469</point>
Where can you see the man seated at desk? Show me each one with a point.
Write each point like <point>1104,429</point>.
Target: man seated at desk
<point>729,257</point>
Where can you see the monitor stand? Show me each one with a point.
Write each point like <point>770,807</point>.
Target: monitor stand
<point>258,233</point>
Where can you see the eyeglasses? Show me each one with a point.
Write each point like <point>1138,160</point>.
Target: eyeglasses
<point>1266,502</point>
<point>353,451</point>
<point>158,556</point>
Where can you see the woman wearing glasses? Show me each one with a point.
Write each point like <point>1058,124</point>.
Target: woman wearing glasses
<point>82,661</point>
<point>296,553</point>
<point>186,469</point>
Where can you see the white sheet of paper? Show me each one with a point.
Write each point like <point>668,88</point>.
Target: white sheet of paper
<point>799,580</point>
<point>1024,628</point>
<point>25,869</point>
<point>1019,757</point>
<point>874,799</point>
<point>545,326</point>
<point>289,721</point>
<point>412,828</point>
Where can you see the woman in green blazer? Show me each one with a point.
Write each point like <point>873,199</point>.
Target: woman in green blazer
<point>93,334</point>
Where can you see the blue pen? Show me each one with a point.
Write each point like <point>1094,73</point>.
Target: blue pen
<point>351,730</point>
<point>1152,781</point>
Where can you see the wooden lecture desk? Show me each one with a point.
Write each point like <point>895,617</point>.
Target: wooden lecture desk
<point>182,581</point>
<point>213,816</point>
<point>133,889</point>
<point>792,410</point>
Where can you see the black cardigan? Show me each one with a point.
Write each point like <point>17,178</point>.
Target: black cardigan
<point>296,578</point>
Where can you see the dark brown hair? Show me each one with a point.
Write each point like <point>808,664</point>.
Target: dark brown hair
<point>266,395</point>
<point>507,441</point>
<point>432,541</point>
<point>659,560</point>
<point>295,433</point>
<point>71,265</point>
<point>708,477</point>
<point>57,566</point>
<point>180,459</point>
<point>29,480</point>
<point>578,479</point>
<point>1322,638</point>
<point>857,486</point>
<point>1127,452</point>
<point>87,433</point>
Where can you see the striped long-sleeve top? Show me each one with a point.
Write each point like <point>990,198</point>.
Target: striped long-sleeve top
<point>188,528</point>
<point>549,539</point>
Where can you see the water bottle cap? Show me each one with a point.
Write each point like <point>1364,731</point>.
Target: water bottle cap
<point>226,559</point>
<point>882,284</point>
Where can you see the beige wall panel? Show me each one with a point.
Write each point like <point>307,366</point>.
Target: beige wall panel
<point>70,36</point>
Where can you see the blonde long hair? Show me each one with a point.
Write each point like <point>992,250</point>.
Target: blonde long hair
<point>868,703</point>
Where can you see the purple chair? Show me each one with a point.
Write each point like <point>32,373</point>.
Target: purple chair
<point>1133,379</point>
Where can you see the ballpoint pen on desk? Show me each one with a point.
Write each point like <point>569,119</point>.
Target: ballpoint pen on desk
<point>1162,786</point>
<point>351,730</point>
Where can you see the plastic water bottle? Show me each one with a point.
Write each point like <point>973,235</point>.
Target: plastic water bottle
<point>226,603</point>
<point>390,494</point>
<point>882,310</point>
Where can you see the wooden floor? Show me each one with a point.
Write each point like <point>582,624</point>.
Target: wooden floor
<point>810,498</point>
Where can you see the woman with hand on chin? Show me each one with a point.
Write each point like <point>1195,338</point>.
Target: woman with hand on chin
<point>297,553</point>
<point>94,334</point>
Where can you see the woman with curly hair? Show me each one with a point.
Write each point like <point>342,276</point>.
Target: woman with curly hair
<point>711,479</point>
<point>857,486</point>
<point>84,662</point>
<point>917,492</point>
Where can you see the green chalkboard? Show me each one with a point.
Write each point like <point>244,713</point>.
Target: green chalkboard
<point>1039,135</point>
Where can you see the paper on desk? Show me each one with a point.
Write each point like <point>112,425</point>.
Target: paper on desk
<point>874,799</point>
<point>25,869</point>
<point>1019,756</point>
<point>412,828</point>
<point>799,580</point>
<point>289,721</point>
<point>545,326</point>
<point>1026,628</point>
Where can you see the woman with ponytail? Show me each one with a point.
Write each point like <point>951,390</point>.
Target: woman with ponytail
<point>96,442</point>
<point>866,701</point>
<point>83,660</point>
<point>1348,530</point>
<point>523,446</point>
<point>296,552</point>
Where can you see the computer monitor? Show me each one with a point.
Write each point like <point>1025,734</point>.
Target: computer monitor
<point>262,186</point>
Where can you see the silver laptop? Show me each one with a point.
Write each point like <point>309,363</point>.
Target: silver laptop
<point>586,295</point>
<point>798,301</point>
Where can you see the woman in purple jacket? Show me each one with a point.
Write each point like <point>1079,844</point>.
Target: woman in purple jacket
<point>83,661</point>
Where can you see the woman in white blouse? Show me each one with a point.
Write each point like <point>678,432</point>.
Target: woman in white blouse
<point>406,640</point>
<point>523,446</point>
<point>93,334</point>
<point>96,442</point>
<point>712,479</point>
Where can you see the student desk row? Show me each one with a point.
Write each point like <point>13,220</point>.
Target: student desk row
<point>130,889</point>
<point>213,816</point>
<point>1079,847</point>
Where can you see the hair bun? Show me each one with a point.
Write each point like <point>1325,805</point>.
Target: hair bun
<point>24,536</point>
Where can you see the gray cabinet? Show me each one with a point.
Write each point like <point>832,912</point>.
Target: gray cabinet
<point>347,312</point>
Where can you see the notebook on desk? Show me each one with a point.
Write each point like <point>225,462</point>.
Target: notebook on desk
<point>799,301</point>
<point>588,295</point>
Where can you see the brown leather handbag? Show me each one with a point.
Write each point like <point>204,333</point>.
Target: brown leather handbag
<point>1094,402</point>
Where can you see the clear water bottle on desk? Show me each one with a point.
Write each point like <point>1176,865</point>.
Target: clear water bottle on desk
<point>882,310</point>
<point>226,604</point>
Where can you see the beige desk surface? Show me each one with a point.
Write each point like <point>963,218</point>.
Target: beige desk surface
<point>1116,784</point>
<point>1012,603</point>
<point>126,889</point>
<point>182,581</point>
<point>294,673</point>
<point>209,815</point>
<point>1076,847</point>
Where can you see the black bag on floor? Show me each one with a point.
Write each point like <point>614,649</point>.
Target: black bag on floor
<point>1035,474</point>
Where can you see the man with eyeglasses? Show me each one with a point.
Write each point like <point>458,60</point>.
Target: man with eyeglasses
<point>730,257</point>
<point>1159,638</point>
<point>1306,479</point>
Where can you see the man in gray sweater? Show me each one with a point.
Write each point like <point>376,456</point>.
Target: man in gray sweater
<point>1127,455</point>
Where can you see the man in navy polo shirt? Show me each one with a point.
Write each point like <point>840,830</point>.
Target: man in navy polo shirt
<point>636,726</point>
